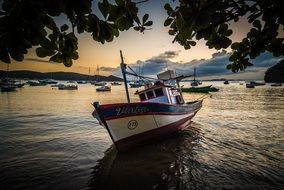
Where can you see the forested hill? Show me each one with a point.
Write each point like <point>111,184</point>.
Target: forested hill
<point>275,73</point>
<point>56,76</point>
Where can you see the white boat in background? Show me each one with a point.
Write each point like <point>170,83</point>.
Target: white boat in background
<point>160,112</point>
<point>8,88</point>
<point>195,82</point>
<point>276,84</point>
<point>104,89</point>
<point>67,87</point>
<point>250,85</point>
<point>136,84</point>
<point>115,83</point>
<point>99,83</point>
<point>257,83</point>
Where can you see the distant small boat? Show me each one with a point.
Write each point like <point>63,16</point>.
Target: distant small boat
<point>203,89</point>
<point>115,84</point>
<point>8,88</point>
<point>20,85</point>
<point>276,84</point>
<point>226,82</point>
<point>67,87</point>
<point>257,83</point>
<point>99,83</point>
<point>103,89</point>
<point>39,83</point>
<point>6,82</point>
<point>81,82</point>
<point>48,81</point>
<point>136,84</point>
<point>194,82</point>
<point>250,85</point>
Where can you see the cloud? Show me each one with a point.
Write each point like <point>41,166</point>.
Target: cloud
<point>215,66</point>
<point>168,55</point>
<point>217,54</point>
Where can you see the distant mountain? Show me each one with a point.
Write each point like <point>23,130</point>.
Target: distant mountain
<point>57,76</point>
<point>275,73</point>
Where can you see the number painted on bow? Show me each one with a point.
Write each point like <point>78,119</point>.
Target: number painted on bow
<point>133,124</point>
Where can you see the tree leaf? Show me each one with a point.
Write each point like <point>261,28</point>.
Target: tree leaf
<point>168,21</point>
<point>64,27</point>
<point>137,28</point>
<point>42,52</point>
<point>145,18</point>
<point>229,67</point>
<point>57,58</point>
<point>149,23</point>
<point>235,45</point>
<point>4,56</point>
<point>168,7</point>
<point>75,55</point>
<point>257,24</point>
<point>172,32</point>
<point>104,8</point>
<point>67,61</point>
<point>229,32</point>
<point>193,43</point>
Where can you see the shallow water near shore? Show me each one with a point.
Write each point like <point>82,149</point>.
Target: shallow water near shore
<point>49,140</point>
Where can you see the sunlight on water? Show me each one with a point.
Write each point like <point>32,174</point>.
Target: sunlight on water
<point>49,139</point>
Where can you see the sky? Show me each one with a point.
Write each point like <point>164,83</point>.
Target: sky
<point>148,50</point>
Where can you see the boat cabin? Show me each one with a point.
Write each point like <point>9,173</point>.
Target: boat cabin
<point>161,92</point>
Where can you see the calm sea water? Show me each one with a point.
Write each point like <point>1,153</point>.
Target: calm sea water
<point>49,140</point>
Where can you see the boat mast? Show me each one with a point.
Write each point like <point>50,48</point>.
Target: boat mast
<point>98,72</point>
<point>89,74</point>
<point>123,67</point>
<point>7,71</point>
<point>194,74</point>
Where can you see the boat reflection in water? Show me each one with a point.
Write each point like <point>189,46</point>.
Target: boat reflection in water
<point>154,166</point>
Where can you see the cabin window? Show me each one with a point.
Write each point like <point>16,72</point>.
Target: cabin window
<point>142,97</point>
<point>150,94</point>
<point>159,92</point>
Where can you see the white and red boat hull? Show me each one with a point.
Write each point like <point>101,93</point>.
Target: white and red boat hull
<point>132,124</point>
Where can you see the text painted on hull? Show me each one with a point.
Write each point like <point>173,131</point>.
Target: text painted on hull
<point>131,110</point>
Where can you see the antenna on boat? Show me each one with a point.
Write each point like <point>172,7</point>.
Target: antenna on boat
<point>123,67</point>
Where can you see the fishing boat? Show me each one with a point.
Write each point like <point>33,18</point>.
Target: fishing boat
<point>99,83</point>
<point>257,83</point>
<point>104,89</point>
<point>8,88</point>
<point>276,84</point>
<point>81,82</point>
<point>38,83</point>
<point>195,82</point>
<point>67,87</point>
<point>115,83</point>
<point>136,84</point>
<point>202,89</point>
<point>161,112</point>
<point>250,85</point>
<point>226,82</point>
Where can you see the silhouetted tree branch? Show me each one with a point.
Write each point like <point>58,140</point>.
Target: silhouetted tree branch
<point>28,23</point>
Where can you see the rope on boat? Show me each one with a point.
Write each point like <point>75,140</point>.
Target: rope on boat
<point>136,75</point>
<point>204,97</point>
<point>179,78</point>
